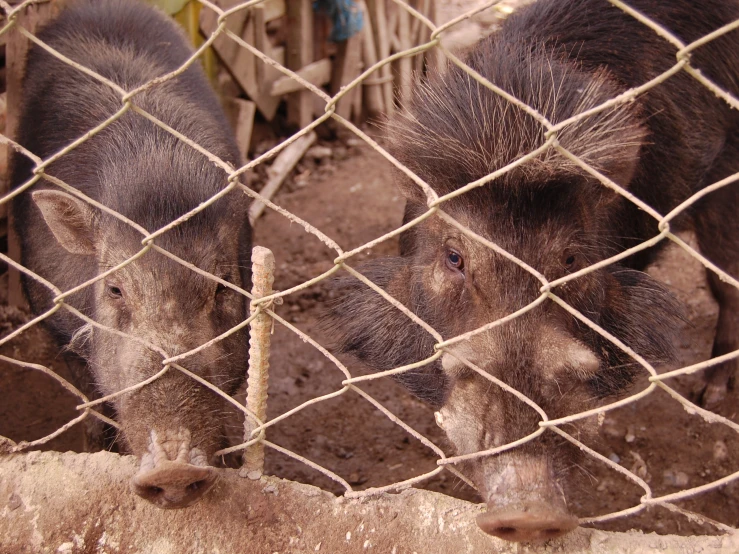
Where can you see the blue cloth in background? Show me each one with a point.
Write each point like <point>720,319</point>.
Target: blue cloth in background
<point>346,17</point>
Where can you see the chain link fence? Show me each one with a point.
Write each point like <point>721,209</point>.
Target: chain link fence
<point>348,383</point>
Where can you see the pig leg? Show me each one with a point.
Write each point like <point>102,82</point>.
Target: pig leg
<point>718,237</point>
<point>719,379</point>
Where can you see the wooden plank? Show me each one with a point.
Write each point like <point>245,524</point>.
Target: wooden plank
<point>299,54</point>
<point>241,114</point>
<point>249,72</point>
<point>321,31</point>
<point>277,53</point>
<point>241,67</point>
<point>260,42</point>
<point>274,9</point>
<point>266,74</point>
<point>316,73</point>
<point>226,48</point>
<point>280,168</point>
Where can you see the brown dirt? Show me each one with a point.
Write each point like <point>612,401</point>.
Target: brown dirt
<point>351,198</point>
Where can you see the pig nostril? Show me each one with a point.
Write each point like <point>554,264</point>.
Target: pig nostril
<point>530,524</point>
<point>552,533</point>
<point>192,487</point>
<point>173,484</point>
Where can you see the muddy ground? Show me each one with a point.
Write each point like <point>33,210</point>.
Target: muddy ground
<point>350,197</point>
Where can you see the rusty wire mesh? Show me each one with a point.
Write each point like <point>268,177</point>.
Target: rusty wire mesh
<point>343,261</point>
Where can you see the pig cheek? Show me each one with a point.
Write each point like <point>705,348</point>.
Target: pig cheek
<point>118,364</point>
<point>440,283</point>
<point>220,357</point>
<point>461,430</point>
<point>462,439</point>
<point>473,469</point>
<point>466,430</point>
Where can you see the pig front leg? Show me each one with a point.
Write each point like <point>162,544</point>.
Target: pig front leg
<point>719,379</point>
<point>717,230</point>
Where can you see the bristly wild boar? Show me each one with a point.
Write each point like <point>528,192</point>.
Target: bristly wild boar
<point>148,175</point>
<point>561,58</point>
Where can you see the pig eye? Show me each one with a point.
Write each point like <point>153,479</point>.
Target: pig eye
<point>221,288</point>
<point>113,292</point>
<point>569,260</point>
<point>454,260</point>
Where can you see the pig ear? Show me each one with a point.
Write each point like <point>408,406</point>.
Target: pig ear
<point>621,170</point>
<point>410,190</point>
<point>71,220</point>
<point>642,314</point>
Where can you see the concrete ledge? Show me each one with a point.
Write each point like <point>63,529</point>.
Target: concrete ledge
<point>81,503</point>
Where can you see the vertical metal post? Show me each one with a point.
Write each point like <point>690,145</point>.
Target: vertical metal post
<point>263,266</point>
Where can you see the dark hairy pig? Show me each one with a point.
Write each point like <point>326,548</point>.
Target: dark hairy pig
<point>143,172</point>
<point>561,58</point>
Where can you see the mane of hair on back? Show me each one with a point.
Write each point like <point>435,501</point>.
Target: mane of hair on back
<point>457,130</point>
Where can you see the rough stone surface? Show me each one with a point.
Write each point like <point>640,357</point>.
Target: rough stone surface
<point>81,503</point>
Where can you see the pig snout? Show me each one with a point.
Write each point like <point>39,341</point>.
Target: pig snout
<point>525,504</point>
<point>526,522</point>
<point>173,474</point>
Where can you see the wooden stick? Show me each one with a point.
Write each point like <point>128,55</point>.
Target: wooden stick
<point>280,168</point>
<point>376,11</point>
<point>421,34</point>
<point>357,97</point>
<point>299,54</point>
<point>316,73</point>
<point>415,22</point>
<point>374,94</point>
<point>405,64</point>
<point>434,56</point>
<point>347,66</point>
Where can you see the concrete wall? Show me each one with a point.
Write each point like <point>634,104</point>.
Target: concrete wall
<point>81,503</point>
